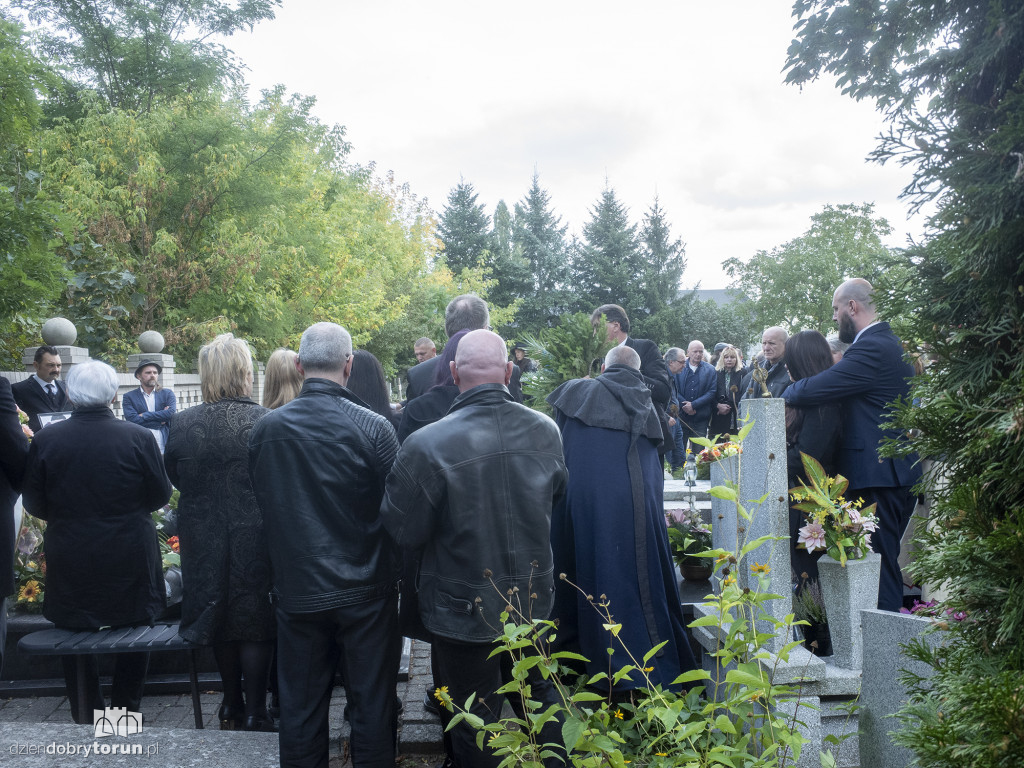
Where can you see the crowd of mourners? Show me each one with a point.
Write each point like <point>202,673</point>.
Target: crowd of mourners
<point>319,528</point>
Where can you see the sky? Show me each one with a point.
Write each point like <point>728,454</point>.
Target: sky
<point>675,98</point>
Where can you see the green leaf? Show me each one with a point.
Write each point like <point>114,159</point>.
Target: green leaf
<point>572,730</point>
<point>724,492</point>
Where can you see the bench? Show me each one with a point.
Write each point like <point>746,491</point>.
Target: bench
<point>145,639</point>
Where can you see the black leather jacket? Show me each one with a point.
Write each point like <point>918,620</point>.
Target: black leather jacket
<point>475,491</point>
<point>318,466</point>
<point>777,381</point>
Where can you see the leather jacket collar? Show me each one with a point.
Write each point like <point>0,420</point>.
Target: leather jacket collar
<point>482,394</point>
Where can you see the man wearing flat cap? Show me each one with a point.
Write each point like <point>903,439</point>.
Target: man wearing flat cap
<point>150,405</point>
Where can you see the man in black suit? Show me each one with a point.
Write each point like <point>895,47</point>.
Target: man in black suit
<point>869,378</point>
<point>466,312</point>
<point>42,392</point>
<point>653,368</point>
<point>13,450</point>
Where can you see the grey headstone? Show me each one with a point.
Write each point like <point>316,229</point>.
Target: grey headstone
<point>882,694</point>
<point>847,591</point>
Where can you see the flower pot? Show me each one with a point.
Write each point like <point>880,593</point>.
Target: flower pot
<point>846,592</point>
<point>819,634</point>
<point>699,570</point>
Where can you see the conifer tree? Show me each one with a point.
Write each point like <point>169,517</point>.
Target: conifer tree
<point>538,236</point>
<point>464,229</point>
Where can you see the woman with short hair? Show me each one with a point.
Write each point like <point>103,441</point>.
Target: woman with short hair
<point>225,564</point>
<point>96,480</point>
<point>727,395</point>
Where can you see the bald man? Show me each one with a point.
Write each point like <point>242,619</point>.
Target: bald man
<point>773,347</point>
<point>474,491</point>
<point>870,376</point>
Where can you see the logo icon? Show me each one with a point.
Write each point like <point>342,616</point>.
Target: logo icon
<point>116,721</point>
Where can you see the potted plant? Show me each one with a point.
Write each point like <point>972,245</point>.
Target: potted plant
<point>688,536</point>
<point>848,571</point>
<point>809,606</point>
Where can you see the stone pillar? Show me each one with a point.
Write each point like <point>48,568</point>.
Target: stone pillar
<point>151,343</point>
<point>61,333</point>
<point>259,379</point>
<point>763,493</point>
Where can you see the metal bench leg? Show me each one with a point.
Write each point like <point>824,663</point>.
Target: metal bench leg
<point>193,679</point>
<point>83,696</point>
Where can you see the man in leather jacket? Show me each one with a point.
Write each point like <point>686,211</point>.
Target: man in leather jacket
<point>773,346</point>
<point>475,491</point>
<point>318,465</point>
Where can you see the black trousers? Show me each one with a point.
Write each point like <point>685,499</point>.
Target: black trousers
<point>466,669</point>
<point>308,647</point>
<point>894,508</point>
<point>126,687</point>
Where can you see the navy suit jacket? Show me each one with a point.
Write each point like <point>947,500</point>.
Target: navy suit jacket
<point>134,406</point>
<point>13,451</point>
<point>32,400</point>
<point>707,389</point>
<point>871,375</point>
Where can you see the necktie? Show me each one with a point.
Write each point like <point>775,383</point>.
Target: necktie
<point>50,394</point>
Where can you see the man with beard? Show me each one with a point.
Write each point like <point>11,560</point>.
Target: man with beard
<point>869,378</point>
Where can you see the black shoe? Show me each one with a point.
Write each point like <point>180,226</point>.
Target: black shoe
<point>231,719</point>
<point>430,703</point>
<point>263,723</point>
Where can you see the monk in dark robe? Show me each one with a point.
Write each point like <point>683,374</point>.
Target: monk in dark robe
<point>608,534</point>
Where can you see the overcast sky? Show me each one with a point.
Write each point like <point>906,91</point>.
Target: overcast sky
<point>677,98</point>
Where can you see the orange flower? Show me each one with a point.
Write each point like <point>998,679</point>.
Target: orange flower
<point>174,544</point>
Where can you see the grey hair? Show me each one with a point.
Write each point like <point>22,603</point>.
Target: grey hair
<point>836,345</point>
<point>92,383</point>
<point>324,348</point>
<point>424,341</point>
<point>466,312</point>
<point>673,354</point>
<point>622,355</point>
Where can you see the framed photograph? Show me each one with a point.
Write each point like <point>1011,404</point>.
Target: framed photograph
<point>46,419</point>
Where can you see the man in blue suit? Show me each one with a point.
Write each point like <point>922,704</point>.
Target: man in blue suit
<point>871,375</point>
<point>148,406</point>
<point>695,387</point>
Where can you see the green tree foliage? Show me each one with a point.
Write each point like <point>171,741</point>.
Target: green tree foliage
<point>571,350</point>
<point>464,229</point>
<point>638,268</point>
<point>792,284</point>
<point>513,281</point>
<point>950,78</point>
<point>139,53</point>
<point>538,238</point>
<point>31,276</point>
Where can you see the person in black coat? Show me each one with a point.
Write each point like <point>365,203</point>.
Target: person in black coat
<point>814,430</point>
<point>13,450</point>
<point>728,393</point>
<point>225,562</point>
<point>96,480</point>
<point>43,391</point>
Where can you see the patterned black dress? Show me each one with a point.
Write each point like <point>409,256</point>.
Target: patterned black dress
<point>225,565</point>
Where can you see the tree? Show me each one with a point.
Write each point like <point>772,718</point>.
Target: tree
<point>637,268</point>
<point>950,79</point>
<point>464,229</point>
<point>513,281</point>
<point>138,53</point>
<point>792,284</point>
<point>32,275</point>
<point>538,237</point>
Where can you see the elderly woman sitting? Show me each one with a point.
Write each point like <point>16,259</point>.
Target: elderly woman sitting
<point>96,480</point>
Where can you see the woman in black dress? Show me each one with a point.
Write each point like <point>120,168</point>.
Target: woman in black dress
<point>225,565</point>
<point>727,397</point>
<point>814,431</point>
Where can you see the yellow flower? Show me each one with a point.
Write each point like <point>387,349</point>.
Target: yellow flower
<point>441,694</point>
<point>661,754</point>
<point>618,714</point>
<point>729,580</point>
<point>30,592</point>
<point>758,568</point>
<point>648,669</point>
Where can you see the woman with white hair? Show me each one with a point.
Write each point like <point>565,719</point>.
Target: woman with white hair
<point>96,480</point>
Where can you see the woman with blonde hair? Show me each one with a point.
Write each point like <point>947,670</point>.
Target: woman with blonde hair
<point>727,397</point>
<point>282,380</point>
<point>225,563</point>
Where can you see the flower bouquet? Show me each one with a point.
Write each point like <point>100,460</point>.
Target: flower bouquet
<point>688,535</point>
<point>30,566</point>
<point>840,527</point>
<point>713,453</point>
